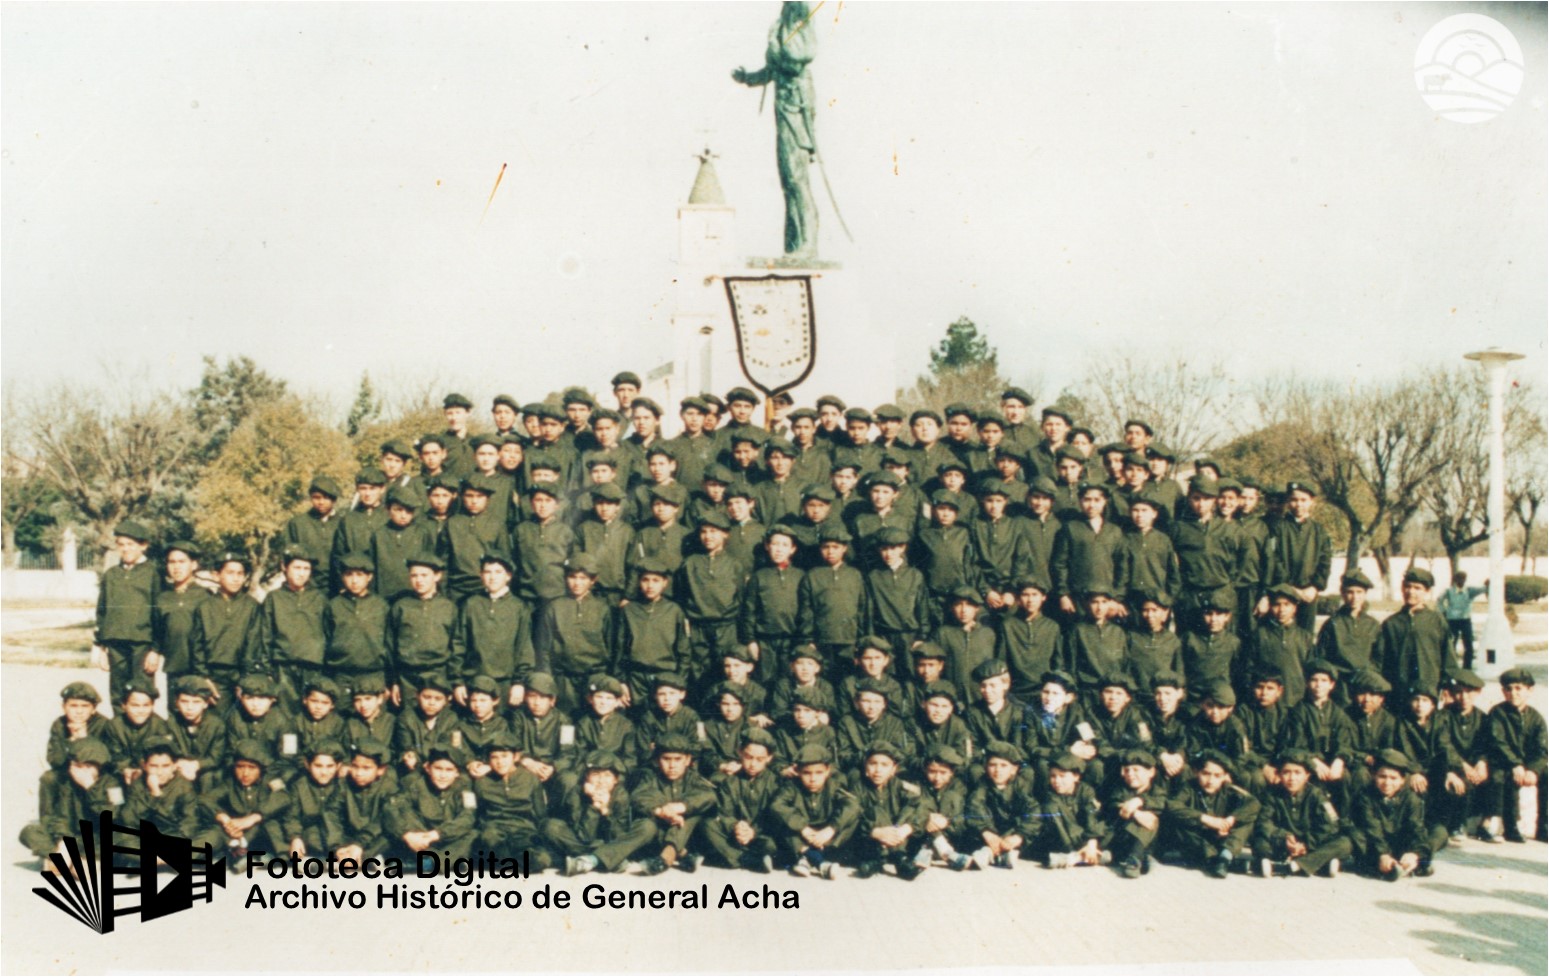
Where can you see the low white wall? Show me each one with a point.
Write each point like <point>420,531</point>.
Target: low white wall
<point>78,585</point>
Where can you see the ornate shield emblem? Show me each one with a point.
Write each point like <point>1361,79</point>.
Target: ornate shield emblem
<point>776,331</point>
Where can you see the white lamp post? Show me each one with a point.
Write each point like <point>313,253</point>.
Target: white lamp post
<point>1499,651</point>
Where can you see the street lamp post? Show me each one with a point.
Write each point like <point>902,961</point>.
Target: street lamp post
<point>1499,650</point>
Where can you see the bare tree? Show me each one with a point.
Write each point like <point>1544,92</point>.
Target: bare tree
<point>1458,493</point>
<point>1192,407</point>
<point>1525,470</point>
<point>1371,448</point>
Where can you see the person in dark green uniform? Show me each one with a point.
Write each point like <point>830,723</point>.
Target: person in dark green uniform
<point>892,816</point>
<point>1281,645</point>
<point>512,805</point>
<point>597,827</point>
<point>1518,745</point>
<point>421,624</point>
<point>436,810</point>
<point>1414,647</point>
<point>1133,809</point>
<point>817,815</point>
<point>1346,640</point>
<point>673,798</point>
<point>202,736</point>
<point>172,616</point>
<point>1212,819</point>
<point>607,538</point>
<point>1301,551</point>
<point>291,641</point>
<point>741,833</point>
<point>314,820</point>
<point>87,789</point>
<point>368,794</point>
<point>246,807</point>
<point>126,599</point>
<point>575,634</point>
<point>493,634</point>
<point>355,626</point>
<point>1389,832</point>
<point>471,534</point>
<point>709,588</point>
<point>767,615</point>
<point>1298,831</point>
<point>353,534</point>
<point>651,634</point>
<point>403,535</point>
<point>1001,815</point>
<point>158,795</point>
<point>225,634</point>
<point>134,724</point>
<point>459,454</point>
<point>313,531</point>
<point>1151,646</point>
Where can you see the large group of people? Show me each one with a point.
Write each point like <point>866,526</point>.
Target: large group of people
<point>849,640</point>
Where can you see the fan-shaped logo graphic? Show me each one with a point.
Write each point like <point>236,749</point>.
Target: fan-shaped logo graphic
<point>83,885</point>
<point>1468,68</point>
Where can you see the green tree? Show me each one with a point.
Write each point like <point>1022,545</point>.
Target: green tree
<point>248,493</point>
<point>961,349</point>
<point>964,368</point>
<point>365,409</point>
<point>226,395</point>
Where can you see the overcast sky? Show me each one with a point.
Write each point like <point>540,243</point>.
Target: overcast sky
<point>304,184</point>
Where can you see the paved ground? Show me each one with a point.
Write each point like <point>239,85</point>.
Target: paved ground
<point>1484,912</point>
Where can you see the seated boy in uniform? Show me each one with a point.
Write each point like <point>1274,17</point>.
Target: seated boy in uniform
<point>673,798</point>
<point>1002,810</point>
<point>1298,830</point>
<point>436,810</point>
<point>597,827</point>
<point>741,834</point>
<point>1212,818</point>
<point>1072,831</point>
<point>1133,809</point>
<point>818,815</point>
<point>247,806</point>
<point>892,816</point>
<point>82,794</point>
<point>1390,833</point>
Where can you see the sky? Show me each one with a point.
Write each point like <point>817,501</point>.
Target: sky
<point>309,185</point>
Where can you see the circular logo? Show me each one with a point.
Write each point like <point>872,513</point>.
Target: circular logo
<point>1468,68</point>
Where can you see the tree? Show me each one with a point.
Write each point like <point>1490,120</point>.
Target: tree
<point>109,461</point>
<point>226,395</point>
<point>248,493</point>
<point>1191,408</point>
<point>962,348</point>
<point>1458,493</point>
<point>1371,448</point>
<point>365,409</point>
<point>964,368</point>
<point>1525,475</point>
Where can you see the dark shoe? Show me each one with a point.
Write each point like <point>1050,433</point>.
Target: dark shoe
<point>1514,835</point>
<point>1425,870</point>
<point>653,866</point>
<point>1130,868</point>
<point>1219,868</point>
<point>866,870</point>
<point>689,863</point>
<point>909,871</point>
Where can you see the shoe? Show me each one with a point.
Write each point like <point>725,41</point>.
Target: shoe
<point>1490,831</point>
<point>802,869</point>
<point>922,858</point>
<point>959,862</point>
<point>689,863</point>
<point>909,871</point>
<point>1130,868</point>
<point>655,865</point>
<point>765,865</point>
<point>866,870</point>
<point>829,871</point>
<point>981,858</point>
<point>1006,860</point>
<point>1393,875</point>
<point>1105,858</point>
<point>1456,837</point>
<point>1145,865</point>
<point>1220,868</point>
<point>1425,869</point>
<point>1332,868</point>
<point>1058,859</point>
<point>1267,868</point>
<point>1514,835</point>
<point>579,865</point>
